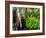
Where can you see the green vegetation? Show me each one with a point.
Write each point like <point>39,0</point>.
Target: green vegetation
<point>33,19</point>
<point>32,23</point>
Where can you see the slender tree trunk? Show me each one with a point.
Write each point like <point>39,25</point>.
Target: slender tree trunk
<point>18,17</point>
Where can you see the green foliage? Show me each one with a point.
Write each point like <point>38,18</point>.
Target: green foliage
<point>36,13</point>
<point>33,19</point>
<point>32,23</point>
